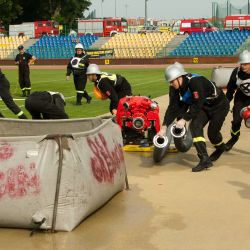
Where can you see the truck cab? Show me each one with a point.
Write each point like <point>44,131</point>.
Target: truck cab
<point>189,26</point>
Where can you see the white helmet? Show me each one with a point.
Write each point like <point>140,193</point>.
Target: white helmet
<point>93,69</point>
<point>79,46</point>
<point>244,57</point>
<point>174,71</point>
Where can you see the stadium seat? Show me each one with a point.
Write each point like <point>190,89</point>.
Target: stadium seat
<point>60,46</point>
<point>139,45</point>
<point>220,43</point>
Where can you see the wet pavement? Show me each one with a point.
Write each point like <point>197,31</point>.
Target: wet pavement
<point>167,207</point>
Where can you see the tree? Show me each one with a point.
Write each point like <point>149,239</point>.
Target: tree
<point>9,10</point>
<point>64,11</point>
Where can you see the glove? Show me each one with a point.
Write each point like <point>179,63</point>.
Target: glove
<point>23,116</point>
<point>180,124</point>
<point>114,118</point>
<point>67,78</point>
<point>163,131</point>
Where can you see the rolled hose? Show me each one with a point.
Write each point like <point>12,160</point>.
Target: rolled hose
<point>183,139</point>
<point>161,145</point>
<point>177,132</point>
<point>160,142</point>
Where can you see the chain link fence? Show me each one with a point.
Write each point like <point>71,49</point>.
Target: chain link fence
<point>220,11</point>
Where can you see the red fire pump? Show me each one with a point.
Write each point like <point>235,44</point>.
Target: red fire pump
<point>138,117</point>
<point>245,114</point>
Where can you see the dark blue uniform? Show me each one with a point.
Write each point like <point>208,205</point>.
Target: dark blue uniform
<point>198,100</point>
<point>238,88</point>
<point>24,72</point>
<point>7,98</point>
<point>78,66</point>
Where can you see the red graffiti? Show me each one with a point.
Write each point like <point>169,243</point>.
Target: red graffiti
<point>17,182</point>
<point>105,163</point>
<point>6,152</point>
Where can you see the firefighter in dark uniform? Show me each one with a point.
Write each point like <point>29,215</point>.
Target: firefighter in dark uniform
<point>194,98</point>
<point>240,82</point>
<point>23,60</point>
<point>7,98</point>
<point>78,65</point>
<point>113,86</point>
<point>46,105</point>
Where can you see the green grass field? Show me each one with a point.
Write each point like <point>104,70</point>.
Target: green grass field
<point>149,82</point>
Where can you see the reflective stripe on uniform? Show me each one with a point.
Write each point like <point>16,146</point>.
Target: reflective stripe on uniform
<point>79,91</point>
<point>198,139</point>
<point>111,77</point>
<point>235,133</point>
<point>20,113</point>
<point>23,89</point>
<point>218,144</point>
<point>28,88</point>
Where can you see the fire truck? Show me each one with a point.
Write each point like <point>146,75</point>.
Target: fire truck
<point>102,26</point>
<point>188,26</point>
<point>34,29</point>
<point>237,22</point>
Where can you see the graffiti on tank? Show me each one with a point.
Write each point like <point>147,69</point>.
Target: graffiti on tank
<point>6,151</point>
<point>105,162</point>
<point>19,182</point>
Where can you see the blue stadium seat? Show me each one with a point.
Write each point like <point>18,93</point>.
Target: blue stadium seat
<point>59,46</point>
<point>218,43</point>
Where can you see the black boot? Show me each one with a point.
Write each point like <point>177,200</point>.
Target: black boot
<point>205,162</point>
<point>78,99</point>
<point>218,152</point>
<point>24,93</point>
<point>231,142</point>
<point>87,97</point>
<point>27,92</point>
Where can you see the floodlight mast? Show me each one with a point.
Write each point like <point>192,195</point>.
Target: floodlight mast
<point>146,14</point>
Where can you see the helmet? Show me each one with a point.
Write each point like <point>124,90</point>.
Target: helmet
<point>20,47</point>
<point>98,94</point>
<point>93,69</point>
<point>79,46</point>
<point>244,57</point>
<point>174,71</point>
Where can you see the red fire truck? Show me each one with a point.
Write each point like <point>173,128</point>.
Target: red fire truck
<point>34,29</point>
<point>188,26</point>
<point>102,26</point>
<point>238,22</point>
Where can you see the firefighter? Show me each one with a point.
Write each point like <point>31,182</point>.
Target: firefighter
<point>23,60</point>
<point>113,86</point>
<point>194,98</point>
<point>7,98</point>
<point>78,65</point>
<point>46,105</point>
<point>239,82</point>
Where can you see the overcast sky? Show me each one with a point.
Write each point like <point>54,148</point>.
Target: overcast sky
<point>158,9</point>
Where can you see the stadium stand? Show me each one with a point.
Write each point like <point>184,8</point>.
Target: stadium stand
<point>220,43</point>
<point>133,45</point>
<point>59,46</point>
<point>9,44</point>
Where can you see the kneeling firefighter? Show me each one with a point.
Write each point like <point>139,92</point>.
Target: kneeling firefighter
<point>78,65</point>
<point>194,98</point>
<point>46,105</point>
<point>112,86</point>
